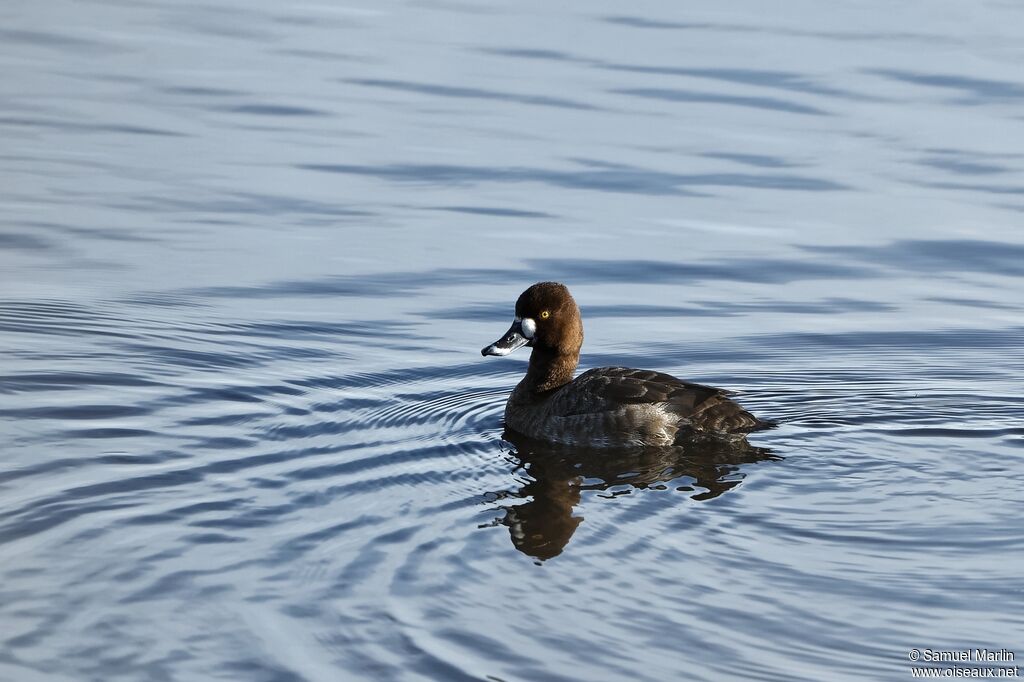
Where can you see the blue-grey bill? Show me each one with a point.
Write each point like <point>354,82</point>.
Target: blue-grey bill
<point>512,339</point>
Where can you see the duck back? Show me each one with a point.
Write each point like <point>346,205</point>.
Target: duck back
<point>613,406</point>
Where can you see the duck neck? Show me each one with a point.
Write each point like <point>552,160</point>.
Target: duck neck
<point>549,369</point>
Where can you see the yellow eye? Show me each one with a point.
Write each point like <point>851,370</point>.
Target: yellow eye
<point>545,315</point>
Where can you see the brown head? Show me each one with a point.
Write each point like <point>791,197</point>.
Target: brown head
<point>548,319</point>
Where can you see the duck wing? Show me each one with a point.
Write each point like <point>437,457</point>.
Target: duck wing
<point>694,407</point>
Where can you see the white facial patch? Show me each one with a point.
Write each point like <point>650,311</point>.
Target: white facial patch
<point>529,327</point>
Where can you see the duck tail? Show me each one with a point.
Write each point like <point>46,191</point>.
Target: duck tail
<point>762,425</point>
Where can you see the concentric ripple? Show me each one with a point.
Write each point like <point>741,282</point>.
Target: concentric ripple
<point>339,501</point>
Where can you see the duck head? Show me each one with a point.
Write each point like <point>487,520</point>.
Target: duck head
<point>548,318</point>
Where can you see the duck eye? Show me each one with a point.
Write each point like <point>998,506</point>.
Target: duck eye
<point>545,315</point>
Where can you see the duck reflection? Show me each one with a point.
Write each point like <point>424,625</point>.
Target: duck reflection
<point>543,525</point>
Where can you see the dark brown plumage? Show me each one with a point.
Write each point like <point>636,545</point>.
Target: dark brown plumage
<point>608,406</point>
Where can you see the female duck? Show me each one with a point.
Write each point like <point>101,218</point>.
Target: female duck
<point>607,406</point>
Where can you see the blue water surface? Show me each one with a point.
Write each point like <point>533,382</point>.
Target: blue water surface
<point>249,252</point>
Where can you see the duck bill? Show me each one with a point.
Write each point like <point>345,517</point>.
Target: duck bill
<point>512,339</point>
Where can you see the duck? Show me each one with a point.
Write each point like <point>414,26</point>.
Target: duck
<point>605,407</point>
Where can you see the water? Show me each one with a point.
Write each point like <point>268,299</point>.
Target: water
<point>251,252</point>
